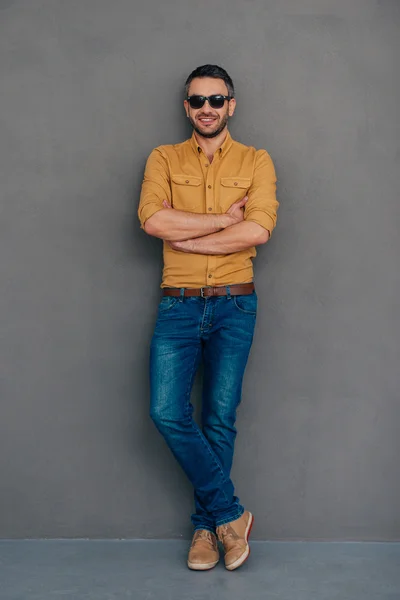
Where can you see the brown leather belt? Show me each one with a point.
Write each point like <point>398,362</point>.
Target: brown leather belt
<point>238,289</point>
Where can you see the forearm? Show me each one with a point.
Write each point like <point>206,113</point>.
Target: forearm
<point>178,225</point>
<point>232,239</point>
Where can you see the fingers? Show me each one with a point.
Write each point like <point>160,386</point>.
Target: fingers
<point>235,209</point>
<point>166,204</point>
<point>239,203</point>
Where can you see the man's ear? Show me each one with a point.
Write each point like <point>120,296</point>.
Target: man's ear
<point>232,106</point>
<point>186,105</point>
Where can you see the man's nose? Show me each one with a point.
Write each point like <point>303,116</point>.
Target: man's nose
<point>207,103</point>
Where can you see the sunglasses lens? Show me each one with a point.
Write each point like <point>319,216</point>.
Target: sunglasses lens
<point>216,101</point>
<point>196,101</point>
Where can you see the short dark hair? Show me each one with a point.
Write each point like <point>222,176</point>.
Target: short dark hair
<point>211,71</point>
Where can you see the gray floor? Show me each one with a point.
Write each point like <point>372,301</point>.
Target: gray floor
<point>147,570</point>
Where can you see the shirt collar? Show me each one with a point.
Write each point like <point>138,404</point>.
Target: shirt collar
<point>227,143</point>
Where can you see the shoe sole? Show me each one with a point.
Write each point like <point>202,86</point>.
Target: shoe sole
<point>202,566</point>
<point>239,561</point>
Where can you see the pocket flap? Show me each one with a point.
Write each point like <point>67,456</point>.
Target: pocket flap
<point>186,179</point>
<point>238,182</point>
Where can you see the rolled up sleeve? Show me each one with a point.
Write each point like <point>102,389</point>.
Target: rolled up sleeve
<point>262,205</point>
<point>155,187</point>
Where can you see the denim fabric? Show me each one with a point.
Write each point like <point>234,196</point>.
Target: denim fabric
<point>219,332</point>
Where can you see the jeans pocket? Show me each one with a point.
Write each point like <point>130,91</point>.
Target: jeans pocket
<point>246,303</point>
<point>167,302</point>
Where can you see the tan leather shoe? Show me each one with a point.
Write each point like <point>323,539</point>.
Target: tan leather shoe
<point>203,553</point>
<point>234,537</point>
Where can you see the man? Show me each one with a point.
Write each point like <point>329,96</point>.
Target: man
<point>211,200</point>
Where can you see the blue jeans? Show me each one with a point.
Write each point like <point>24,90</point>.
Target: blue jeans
<point>219,331</point>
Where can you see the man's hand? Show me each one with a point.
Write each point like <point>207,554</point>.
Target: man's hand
<point>236,211</point>
<point>184,246</point>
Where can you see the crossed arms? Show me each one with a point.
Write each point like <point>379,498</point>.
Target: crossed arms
<point>206,234</point>
<point>247,222</point>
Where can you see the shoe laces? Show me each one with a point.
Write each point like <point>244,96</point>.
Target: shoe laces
<point>203,534</point>
<point>227,533</point>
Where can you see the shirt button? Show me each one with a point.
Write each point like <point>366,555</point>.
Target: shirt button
<point>187,181</point>
<point>235,183</point>
<point>209,187</point>
<point>209,276</point>
<point>209,208</point>
<point>206,165</point>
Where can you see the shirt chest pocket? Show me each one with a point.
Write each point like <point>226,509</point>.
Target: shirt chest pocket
<point>233,189</point>
<point>187,193</point>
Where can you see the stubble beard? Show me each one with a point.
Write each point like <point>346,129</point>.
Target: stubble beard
<point>212,134</point>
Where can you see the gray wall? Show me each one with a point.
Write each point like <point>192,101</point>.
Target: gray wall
<point>88,88</point>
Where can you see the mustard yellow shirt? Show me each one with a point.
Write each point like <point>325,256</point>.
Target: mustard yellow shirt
<point>182,174</point>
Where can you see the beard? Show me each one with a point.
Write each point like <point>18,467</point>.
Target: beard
<point>211,134</point>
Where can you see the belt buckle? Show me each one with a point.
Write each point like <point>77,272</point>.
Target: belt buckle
<point>202,290</point>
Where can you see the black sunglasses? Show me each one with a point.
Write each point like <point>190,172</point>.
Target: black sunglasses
<point>215,101</point>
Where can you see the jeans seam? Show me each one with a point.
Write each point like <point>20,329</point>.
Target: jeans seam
<point>200,435</point>
<point>190,381</point>
<point>216,462</point>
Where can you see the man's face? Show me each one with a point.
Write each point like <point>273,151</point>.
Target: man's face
<point>207,121</point>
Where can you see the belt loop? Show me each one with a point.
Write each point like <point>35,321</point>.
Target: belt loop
<point>182,295</point>
<point>228,292</point>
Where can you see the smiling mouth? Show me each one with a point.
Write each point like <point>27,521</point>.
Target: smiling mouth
<point>207,120</point>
